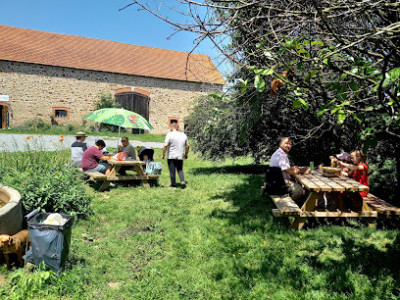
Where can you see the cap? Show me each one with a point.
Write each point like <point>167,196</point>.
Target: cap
<point>343,156</point>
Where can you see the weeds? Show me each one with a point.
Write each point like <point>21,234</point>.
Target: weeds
<point>45,179</point>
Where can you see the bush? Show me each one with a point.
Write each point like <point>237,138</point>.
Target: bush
<point>46,181</point>
<point>36,123</point>
<point>214,129</point>
<point>107,101</point>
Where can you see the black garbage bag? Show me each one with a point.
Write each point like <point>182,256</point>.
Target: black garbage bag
<point>49,243</point>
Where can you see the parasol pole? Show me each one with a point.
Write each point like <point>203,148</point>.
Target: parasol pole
<point>119,133</point>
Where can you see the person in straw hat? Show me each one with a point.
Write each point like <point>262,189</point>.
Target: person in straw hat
<point>77,148</point>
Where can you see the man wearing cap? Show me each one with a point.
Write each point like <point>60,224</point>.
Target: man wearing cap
<point>77,148</point>
<point>178,147</point>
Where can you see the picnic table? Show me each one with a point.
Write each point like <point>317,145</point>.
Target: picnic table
<point>114,176</point>
<point>317,184</point>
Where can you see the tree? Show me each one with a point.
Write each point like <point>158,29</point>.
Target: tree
<point>343,57</point>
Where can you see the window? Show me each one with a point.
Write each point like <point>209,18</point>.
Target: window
<point>173,120</point>
<point>61,112</point>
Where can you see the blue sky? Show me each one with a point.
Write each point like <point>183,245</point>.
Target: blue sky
<point>101,19</point>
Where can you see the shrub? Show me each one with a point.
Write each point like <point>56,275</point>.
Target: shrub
<point>36,123</point>
<point>46,181</point>
<point>107,101</point>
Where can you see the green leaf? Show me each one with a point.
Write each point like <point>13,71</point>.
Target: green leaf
<point>300,103</point>
<point>353,86</point>
<point>356,118</point>
<point>297,103</point>
<point>310,75</point>
<point>354,70</point>
<point>322,111</point>
<point>317,43</point>
<point>372,72</point>
<point>259,83</point>
<point>267,71</point>
<point>341,117</point>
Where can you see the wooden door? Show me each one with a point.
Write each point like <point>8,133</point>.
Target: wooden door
<point>135,102</point>
<point>4,115</point>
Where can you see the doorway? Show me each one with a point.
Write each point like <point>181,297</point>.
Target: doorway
<point>4,116</point>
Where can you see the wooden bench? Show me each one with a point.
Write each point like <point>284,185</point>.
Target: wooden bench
<point>285,206</point>
<point>98,176</point>
<point>381,206</point>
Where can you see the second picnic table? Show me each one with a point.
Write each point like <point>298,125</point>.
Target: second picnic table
<point>317,184</point>
<point>114,176</point>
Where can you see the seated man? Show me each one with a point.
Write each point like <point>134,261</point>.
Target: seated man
<point>280,159</point>
<point>104,150</point>
<point>94,160</point>
<point>77,149</point>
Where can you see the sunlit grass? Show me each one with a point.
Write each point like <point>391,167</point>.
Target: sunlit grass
<point>217,239</point>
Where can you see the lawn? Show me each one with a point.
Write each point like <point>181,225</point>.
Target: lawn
<point>216,239</point>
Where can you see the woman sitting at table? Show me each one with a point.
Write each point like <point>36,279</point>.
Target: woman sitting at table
<point>93,160</point>
<point>129,151</point>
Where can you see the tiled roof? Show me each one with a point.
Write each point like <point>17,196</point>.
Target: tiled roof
<point>46,48</point>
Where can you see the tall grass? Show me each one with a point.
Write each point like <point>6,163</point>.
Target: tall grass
<point>216,239</point>
<point>45,179</point>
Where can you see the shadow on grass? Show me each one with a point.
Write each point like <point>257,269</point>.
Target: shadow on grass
<point>362,268</point>
<point>365,259</point>
<point>242,169</point>
<point>252,208</point>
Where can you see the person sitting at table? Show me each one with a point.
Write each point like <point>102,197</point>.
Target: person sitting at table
<point>280,159</point>
<point>129,151</point>
<point>343,157</point>
<point>359,172</point>
<point>77,148</point>
<point>146,155</point>
<point>104,150</point>
<point>93,160</point>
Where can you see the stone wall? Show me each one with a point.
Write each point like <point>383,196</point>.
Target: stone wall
<point>35,90</point>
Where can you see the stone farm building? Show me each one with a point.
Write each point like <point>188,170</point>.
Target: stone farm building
<point>44,75</point>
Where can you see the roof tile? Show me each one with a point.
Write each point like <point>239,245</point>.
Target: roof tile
<point>46,48</point>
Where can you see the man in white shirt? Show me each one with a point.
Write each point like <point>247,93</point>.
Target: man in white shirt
<point>178,148</point>
<point>280,159</point>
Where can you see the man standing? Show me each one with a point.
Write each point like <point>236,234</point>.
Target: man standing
<point>178,148</point>
<point>280,159</point>
<point>77,148</point>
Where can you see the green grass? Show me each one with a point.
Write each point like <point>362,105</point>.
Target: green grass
<point>216,239</point>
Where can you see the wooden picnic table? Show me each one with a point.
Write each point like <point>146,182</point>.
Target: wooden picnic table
<point>317,184</point>
<point>114,176</point>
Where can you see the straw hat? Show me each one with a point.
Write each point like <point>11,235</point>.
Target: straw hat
<point>80,133</point>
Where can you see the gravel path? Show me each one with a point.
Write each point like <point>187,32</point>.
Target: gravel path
<point>24,142</point>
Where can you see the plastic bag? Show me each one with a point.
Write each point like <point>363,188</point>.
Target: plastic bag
<point>121,156</point>
<point>154,168</point>
<point>55,219</point>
